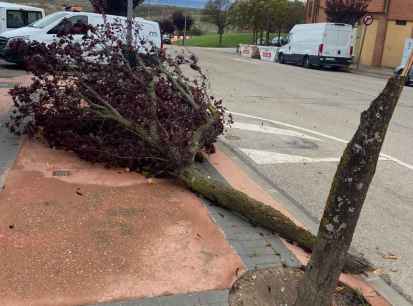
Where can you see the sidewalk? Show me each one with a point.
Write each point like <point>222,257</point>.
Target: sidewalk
<point>73,233</point>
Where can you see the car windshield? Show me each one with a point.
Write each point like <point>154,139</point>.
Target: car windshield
<point>40,24</point>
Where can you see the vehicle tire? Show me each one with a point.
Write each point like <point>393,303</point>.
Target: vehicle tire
<point>306,62</point>
<point>281,58</point>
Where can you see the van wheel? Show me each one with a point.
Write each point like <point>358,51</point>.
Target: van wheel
<point>306,62</point>
<point>281,59</point>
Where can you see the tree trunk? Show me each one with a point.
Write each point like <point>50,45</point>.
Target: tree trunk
<point>220,33</point>
<point>345,201</point>
<point>260,214</point>
<point>267,38</point>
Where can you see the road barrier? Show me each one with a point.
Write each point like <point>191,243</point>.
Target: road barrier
<point>265,53</point>
<point>268,54</point>
<point>248,50</point>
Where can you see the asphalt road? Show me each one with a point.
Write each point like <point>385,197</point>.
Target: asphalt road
<point>291,127</point>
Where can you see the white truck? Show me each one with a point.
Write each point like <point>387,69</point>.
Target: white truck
<point>14,16</point>
<point>47,30</point>
<point>318,44</point>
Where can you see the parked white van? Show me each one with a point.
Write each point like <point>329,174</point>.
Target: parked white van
<point>319,44</point>
<point>13,16</point>
<point>46,30</point>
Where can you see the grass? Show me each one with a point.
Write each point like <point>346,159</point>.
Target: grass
<point>211,40</point>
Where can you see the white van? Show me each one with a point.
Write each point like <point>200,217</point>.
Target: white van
<point>13,16</point>
<point>46,30</point>
<point>319,44</point>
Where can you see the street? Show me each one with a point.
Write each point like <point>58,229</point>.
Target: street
<point>291,126</point>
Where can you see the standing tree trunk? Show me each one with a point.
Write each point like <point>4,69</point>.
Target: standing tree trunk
<point>345,201</point>
<point>267,38</point>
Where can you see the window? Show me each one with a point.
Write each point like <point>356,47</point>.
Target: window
<point>75,25</point>
<point>401,22</point>
<point>46,21</point>
<point>18,19</point>
<point>15,19</point>
<point>33,16</point>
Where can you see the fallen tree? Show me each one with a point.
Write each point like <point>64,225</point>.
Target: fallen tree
<point>145,115</point>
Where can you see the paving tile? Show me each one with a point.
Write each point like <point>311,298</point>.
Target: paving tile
<point>216,296</point>
<point>180,300</point>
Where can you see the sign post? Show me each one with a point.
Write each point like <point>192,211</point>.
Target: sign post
<point>367,20</point>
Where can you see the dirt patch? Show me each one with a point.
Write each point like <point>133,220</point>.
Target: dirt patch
<point>277,287</point>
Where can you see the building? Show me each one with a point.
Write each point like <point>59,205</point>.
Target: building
<point>385,38</point>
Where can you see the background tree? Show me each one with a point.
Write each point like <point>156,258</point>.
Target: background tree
<point>266,16</point>
<point>167,26</point>
<point>249,15</point>
<point>113,7</point>
<point>275,14</point>
<point>178,19</point>
<point>217,13</point>
<point>346,11</point>
<point>295,14</point>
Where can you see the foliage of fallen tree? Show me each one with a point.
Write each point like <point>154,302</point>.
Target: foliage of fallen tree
<point>144,114</point>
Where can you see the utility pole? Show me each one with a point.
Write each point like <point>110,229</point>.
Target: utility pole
<point>130,23</point>
<point>183,40</point>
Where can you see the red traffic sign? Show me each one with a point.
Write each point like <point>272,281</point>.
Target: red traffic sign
<point>368,20</point>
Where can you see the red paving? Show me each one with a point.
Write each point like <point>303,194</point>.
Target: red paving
<point>107,235</point>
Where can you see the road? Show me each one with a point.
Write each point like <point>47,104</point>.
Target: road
<point>291,127</point>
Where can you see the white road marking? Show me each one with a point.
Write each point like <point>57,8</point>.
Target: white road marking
<point>393,159</point>
<point>270,130</point>
<point>267,157</point>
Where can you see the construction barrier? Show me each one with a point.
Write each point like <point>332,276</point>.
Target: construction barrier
<point>249,50</point>
<point>268,54</point>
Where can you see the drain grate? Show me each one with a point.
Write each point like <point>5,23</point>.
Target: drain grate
<point>61,173</point>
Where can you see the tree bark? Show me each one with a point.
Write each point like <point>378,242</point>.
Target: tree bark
<point>260,214</point>
<point>345,200</point>
<point>220,37</point>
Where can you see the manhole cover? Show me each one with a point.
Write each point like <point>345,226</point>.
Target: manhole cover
<point>61,173</point>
